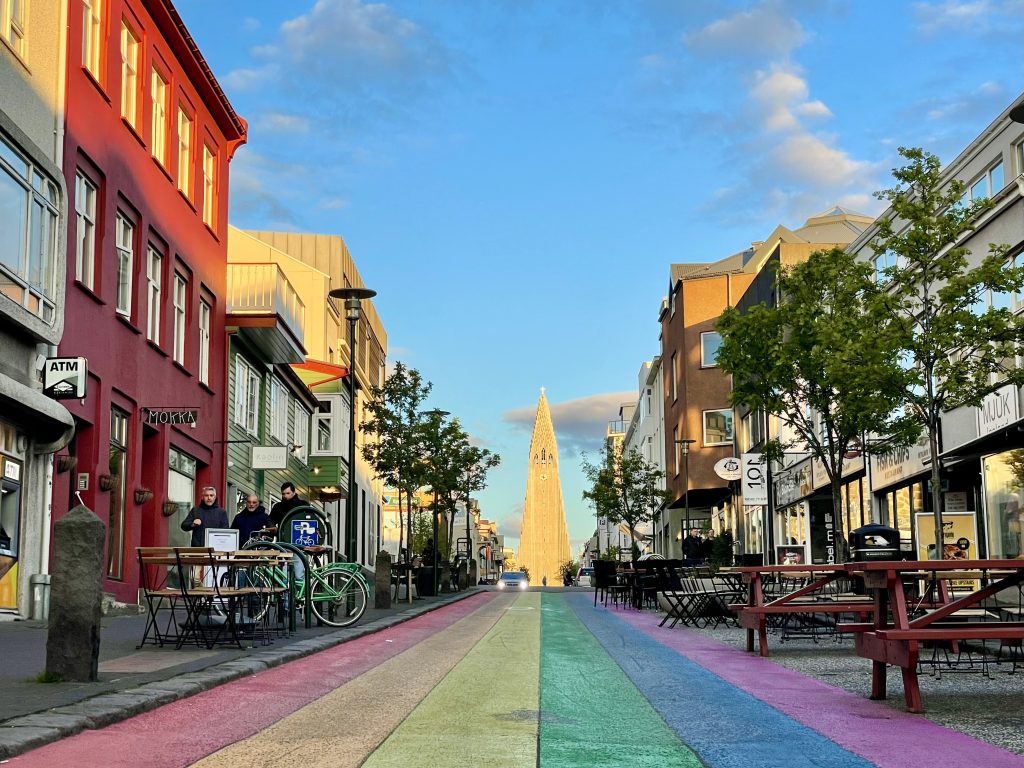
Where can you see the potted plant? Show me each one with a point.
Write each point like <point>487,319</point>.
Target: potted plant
<point>108,482</point>
<point>66,462</point>
<point>169,508</point>
<point>142,495</point>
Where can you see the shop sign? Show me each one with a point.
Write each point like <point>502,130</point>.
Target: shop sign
<point>791,484</point>
<point>728,469</point>
<point>755,479</point>
<point>269,457</point>
<point>899,464</point>
<point>998,410</point>
<point>64,378</point>
<point>959,540</point>
<point>820,477</point>
<point>12,470</point>
<point>189,416</point>
<point>955,501</point>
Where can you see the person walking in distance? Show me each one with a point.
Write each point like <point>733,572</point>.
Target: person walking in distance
<point>206,514</point>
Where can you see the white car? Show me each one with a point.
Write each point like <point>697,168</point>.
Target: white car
<point>583,576</point>
<point>513,580</point>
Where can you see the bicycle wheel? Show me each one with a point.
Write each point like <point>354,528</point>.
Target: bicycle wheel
<point>338,596</point>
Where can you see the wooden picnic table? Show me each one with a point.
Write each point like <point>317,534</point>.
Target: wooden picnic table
<point>808,599</point>
<point>895,635</point>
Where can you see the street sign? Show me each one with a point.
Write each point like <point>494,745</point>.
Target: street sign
<point>305,533</point>
<point>755,479</point>
<point>728,469</point>
<point>64,378</point>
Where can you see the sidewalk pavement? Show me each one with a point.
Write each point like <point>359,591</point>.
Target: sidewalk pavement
<point>132,680</point>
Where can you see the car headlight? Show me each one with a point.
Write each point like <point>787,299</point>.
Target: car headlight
<point>501,585</point>
<point>523,585</point>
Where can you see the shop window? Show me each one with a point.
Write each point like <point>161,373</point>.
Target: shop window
<point>10,529</point>
<point>181,491</point>
<point>1003,480</point>
<point>117,469</point>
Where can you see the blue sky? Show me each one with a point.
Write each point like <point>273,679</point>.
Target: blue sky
<point>515,178</point>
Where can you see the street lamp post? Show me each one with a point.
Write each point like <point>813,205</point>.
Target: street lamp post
<point>353,298</point>
<point>435,414</point>
<point>685,450</point>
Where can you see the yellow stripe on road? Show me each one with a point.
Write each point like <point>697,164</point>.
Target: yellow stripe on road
<point>486,711</point>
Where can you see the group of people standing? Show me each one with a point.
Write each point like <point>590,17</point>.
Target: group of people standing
<point>208,513</point>
<point>696,548</point>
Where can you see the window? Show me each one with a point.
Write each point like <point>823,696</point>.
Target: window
<point>709,344</point>
<point>85,210</point>
<point>204,343</point>
<point>154,265</point>
<point>675,377</point>
<point>278,407</point>
<point>885,263</point>
<point>117,468</point>
<point>1018,153</point>
<point>675,445</point>
<point>184,153</point>
<point>92,27</point>
<point>209,186</point>
<point>158,93</point>
<point>28,220</point>
<point>300,432</point>
<point>180,303</point>
<point>12,16</point>
<point>718,427</point>
<point>129,75</point>
<point>325,428</point>
<point>125,237</point>
<point>247,396</point>
<point>989,184</point>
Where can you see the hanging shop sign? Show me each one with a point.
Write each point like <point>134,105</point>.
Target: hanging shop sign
<point>728,468</point>
<point>755,479</point>
<point>184,416</point>
<point>64,378</point>
<point>269,457</point>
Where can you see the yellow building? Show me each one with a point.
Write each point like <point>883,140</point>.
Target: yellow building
<point>314,265</point>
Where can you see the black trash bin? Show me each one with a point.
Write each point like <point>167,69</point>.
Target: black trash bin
<point>874,542</point>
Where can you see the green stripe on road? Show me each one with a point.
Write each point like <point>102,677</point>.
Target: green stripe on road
<point>485,711</point>
<point>592,714</point>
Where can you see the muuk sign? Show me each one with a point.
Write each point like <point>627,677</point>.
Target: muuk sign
<point>998,410</point>
<point>170,416</point>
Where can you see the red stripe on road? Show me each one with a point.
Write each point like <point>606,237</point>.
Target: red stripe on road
<point>180,733</point>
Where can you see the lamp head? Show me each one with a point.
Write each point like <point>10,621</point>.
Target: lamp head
<point>1017,113</point>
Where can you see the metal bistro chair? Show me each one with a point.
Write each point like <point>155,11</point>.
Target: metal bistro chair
<point>606,583</point>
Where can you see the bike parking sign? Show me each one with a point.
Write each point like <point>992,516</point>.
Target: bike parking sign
<point>305,533</point>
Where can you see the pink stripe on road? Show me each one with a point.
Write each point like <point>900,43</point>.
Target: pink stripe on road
<point>180,733</point>
<point>886,737</point>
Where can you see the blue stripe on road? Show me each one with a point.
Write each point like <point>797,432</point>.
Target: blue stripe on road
<point>726,727</point>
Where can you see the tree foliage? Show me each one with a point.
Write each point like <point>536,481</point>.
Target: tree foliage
<point>624,488</point>
<point>961,337</point>
<point>824,360</point>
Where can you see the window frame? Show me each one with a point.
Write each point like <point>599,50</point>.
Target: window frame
<point>130,74</point>
<point>674,373</point>
<point>12,25</point>
<point>125,250</point>
<point>179,300</point>
<point>185,143</point>
<point>246,401</point>
<point>301,422</point>
<point>209,186</point>
<point>86,229</point>
<point>731,431</point>
<point>92,38</point>
<point>205,318</point>
<point>154,286</point>
<point>159,94</point>
<point>703,361</point>
<point>277,407</point>
<point>120,435</point>
<point>986,177</point>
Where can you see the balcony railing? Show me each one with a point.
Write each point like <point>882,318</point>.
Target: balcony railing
<point>255,289</point>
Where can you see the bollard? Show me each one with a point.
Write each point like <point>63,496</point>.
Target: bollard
<point>76,596</point>
<point>463,575</point>
<point>382,580</point>
<point>472,572</point>
<point>445,579</point>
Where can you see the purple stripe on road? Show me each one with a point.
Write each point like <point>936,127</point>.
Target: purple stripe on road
<point>885,736</point>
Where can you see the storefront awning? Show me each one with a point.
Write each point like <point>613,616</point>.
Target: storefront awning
<point>316,372</point>
<point>47,422</point>
<point>701,498</point>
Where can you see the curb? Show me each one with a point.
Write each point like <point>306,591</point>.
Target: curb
<point>21,734</point>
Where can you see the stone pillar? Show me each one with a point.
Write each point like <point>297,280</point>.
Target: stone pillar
<point>382,580</point>
<point>76,596</point>
<point>463,574</point>
<point>472,573</point>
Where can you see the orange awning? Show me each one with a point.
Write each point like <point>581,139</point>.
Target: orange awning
<point>316,372</point>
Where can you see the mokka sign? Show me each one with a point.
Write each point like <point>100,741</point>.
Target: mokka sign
<point>187,416</point>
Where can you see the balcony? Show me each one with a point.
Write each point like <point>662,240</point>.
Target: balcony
<point>265,309</point>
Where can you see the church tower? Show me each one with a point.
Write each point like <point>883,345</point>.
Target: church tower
<point>544,540</point>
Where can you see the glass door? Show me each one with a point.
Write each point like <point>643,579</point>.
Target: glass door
<point>10,531</point>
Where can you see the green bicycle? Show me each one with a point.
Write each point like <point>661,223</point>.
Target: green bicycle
<point>337,591</point>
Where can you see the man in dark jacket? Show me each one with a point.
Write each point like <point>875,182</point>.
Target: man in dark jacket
<point>692,549</point>
<point>251,519</point>
<point>289,501</point>
<point>206,514</point>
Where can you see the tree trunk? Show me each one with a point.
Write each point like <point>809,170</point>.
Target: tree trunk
<point>838,535</point>
<point>933,447</point>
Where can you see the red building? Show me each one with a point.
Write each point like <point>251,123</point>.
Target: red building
<point>149,135</point>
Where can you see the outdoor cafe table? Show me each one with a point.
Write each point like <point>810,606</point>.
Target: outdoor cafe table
<point>808,599</point>
<point>895,636</point>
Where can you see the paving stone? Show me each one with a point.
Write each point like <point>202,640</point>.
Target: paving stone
<point>14,741</point>
<point>112,708</point>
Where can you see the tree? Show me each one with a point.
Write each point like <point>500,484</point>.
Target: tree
<point>626,488</point>
<point>396,423</point>
<point>567,572</point>
<point>960,335</point>
<point>824,361</point>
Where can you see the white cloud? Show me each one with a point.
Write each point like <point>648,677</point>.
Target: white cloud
<point>765,30</point>
<point>333,204</point>
<point>278,122</point>
<point>979,17</point>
